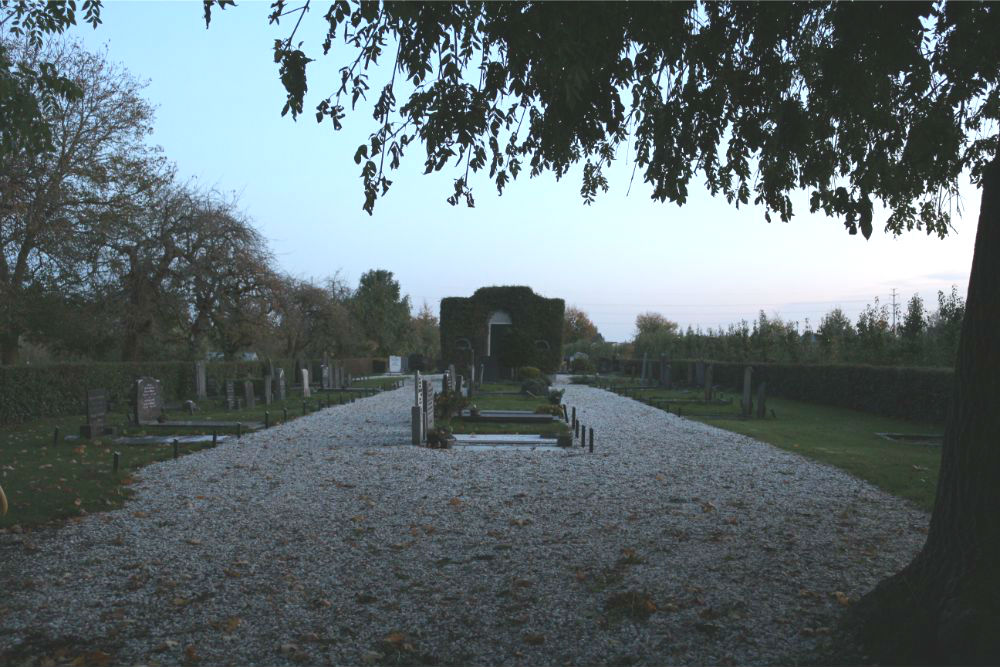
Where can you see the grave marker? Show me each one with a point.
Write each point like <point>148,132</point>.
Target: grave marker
<point>327,380</point>
<point>248,395</point>
<point>708,383</point>
<point>762,400</point>
<point>417,411</point>
<point>96,410</point>
<point>305,383</point>
<point>746,402</point>
<point>230,395</point>
<point>395,364</point>
<point>148,400</point>
<point>201,387</point>
<point>268,389</point>
<point>281,384</point>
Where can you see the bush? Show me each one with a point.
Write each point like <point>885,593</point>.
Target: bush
<point>555,396</point>
<point>549,409</point>
<point>583,379</point>
<point>447,404</point>
<point>537,387</point>
<point>582,365</point>
<point>528,373</point>
<point>439,437</point>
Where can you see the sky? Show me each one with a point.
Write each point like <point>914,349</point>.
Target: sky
<point>706,264</point>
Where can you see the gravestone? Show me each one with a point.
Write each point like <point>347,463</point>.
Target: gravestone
<point>268,389</point>
<point>690,374</point>
<point>347,380</point>
<point>446,383</point>
<point>327,378</point>
<point>148,400</point>
<point>708,383</point>
<point>699,373</point>
<point>645,369</point>
<point>96,410</point>
<point>746,402</point>
<point>281,384</point>
<point>417,411</point>
<point>338,377</point>
<point>200,386</point>
<point>665,375</point>
<point>762,400</point>
<point>395,364</point>
<point>230,395</point>
<point>428,398</point>
<point>482,374</point>
<point>248,395</point>
<point>458,384</point>
<point>305,382</point>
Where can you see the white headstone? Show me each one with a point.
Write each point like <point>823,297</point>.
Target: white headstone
<point>305,383</point>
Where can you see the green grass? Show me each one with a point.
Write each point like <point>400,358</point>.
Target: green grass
<point>46,482</point>
<point>844,438</point>
<point>519,402</point>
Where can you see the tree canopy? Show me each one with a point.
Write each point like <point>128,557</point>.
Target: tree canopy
<point>859,104</point>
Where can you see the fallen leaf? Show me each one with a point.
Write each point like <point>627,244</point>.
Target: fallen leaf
<point>455,502</point>
<point>534,639</point>
<point>194,540</point>
<point>191,653</point>
<point>395,638</point>
<point>842,599</point>
<point>520,522</point>
<point>233,622</point>
<point>140,515</point>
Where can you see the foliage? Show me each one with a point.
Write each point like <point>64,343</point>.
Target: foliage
<point>550,409</point>
<point>578,327</point>
<point>426,333</point>
<point>447,404</point>
<point>535,317</point>
<point>582,365</point>
<point>528,373</point>
<point>439,437</point>
<point>384,315</point>
<point>555,396</point>
<point>536,387</point>
<point>655,335</point>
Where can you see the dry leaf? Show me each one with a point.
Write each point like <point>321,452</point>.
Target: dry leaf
<point>534,639</point>
<point>194,540</point>
<point>191,654</point>
<point>233,622</point>
<point>395,638</point>
<point>842,599</point>
<point>455,502</point>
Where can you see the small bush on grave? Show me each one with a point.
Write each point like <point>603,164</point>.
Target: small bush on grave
<point>555,396</point>
<point>439,437</point>
<point>582,365</point>
<point>537,387</point>
<point>528,373</point>
<point>447,404</point>
<point>549,409</point>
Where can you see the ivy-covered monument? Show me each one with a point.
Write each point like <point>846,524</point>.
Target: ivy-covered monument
<point>499,329</point>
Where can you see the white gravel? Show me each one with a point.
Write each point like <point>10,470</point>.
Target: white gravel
<point>331,540</point>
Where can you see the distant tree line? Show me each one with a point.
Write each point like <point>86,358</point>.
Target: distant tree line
<point>107,255</point>
<point>920,337</point>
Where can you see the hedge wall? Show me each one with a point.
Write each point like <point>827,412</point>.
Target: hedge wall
<point>534,316</point>
<point>919,394</point>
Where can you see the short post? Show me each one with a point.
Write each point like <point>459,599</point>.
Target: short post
<point>284,414</point>
<point>115,460</point>
<point>303,408</point>
<point>267,419</point>
<point>574,416</point>
<point>239,430</point>
<point>55,437</point>
<point>215,437</point>
<point>576,428</point>
<point>583,436</point>
<point>591,439</point>
<point>565,413</point>
<point>177,449</point>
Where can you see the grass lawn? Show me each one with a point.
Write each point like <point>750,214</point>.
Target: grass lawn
<point>46,482</point>
<point>844,438</point>
<point>511,402</point>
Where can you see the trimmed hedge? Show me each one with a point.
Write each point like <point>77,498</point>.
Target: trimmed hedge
<point>535,317</point>
<point>918,394</point>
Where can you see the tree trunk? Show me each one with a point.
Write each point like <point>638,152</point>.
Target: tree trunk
<point>9,345</point>
<point>944,607</point>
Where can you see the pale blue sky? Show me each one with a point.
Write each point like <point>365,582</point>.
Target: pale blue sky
<point>218,102</point>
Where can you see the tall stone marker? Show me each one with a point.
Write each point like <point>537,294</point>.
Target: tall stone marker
<point>230,395</point>
<point>428,399</point>
<point>97,408</point>
<point>417,411</point>
<point>200,386</point>
<point>268,389</point>
<point>708,383</point>
<point>327,378</point>
<point>249,398</point>
<point>305,383</point>
<point>746,404</point>
<point>395,364</point>
<point>281,384</point>
<point>148,400</point>
<point>762,400</point>
<point>665,375</point>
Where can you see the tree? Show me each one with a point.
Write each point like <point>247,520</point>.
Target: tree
<point>859,104</point>
<point>914,327</point>
<point>384,315</point>
<point>874,332</point>
<point>577,326</point>
<point>426,333</point>
<point>53,199</point>
<point>654,334</point>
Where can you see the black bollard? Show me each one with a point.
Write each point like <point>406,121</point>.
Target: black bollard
<point>565,414</point>
<point>177,449</point>
<point>55,438</point>
<point>303,408</point>
<point>239,430</point>
<point>574,417</point>
<point>215,438</point>
<point>267,419</point>
<point>583,436</point>
<point>591,439</point>
<point>576,428</point>
<point>115,459</point>
<point>284,415</point>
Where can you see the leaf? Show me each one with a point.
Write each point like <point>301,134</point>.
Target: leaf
<point>455,502</point>
<point>233,622</point>
<point>841,598</point>
<point>534,639</point>
<point>395,638</point>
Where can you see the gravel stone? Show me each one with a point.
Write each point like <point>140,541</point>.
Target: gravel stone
<point>332,540</point>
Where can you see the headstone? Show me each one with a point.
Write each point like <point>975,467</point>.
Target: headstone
<point>248,395</point>
<point>690,372</point>
<point>148,400</point>
<point>268,389</point>
<point>327,378</point>
<point>417,411</point>
<point>230,395</point>
<point>699,373</point>
<point>746,403</point>
<point>281,384</point>
<point>446,383</point>
<point>201,387</point>
<point>97,408</point>
<point>762,400</point>
<point>428,390</point>
<point>645,367</point>
<point>708,383</point>
<point>305,383</point>
<point>481,375</point>
<point>395,364</point>
<point>665,375</point>
<point>458,384</point>
<point>347,379</point>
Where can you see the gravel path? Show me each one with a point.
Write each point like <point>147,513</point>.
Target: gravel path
<point>331,540</point>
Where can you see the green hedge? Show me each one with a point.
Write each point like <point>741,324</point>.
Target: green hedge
<point>919,394</point>
<point>535,317</point>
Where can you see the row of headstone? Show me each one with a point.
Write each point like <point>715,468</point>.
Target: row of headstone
<point>664,372</point>
<point>746,403</point>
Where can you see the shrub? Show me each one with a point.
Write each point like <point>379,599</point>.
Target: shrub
<point>447,404</point>
<point>528,373</point>
<point>549,409</point>
<point>582,365</point>
<point>439,437</point>
<point>582,379</point>
<point>536,387</point>
<point>555,396</point>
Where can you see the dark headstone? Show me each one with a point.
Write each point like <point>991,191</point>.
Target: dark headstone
<point>96,408</point>
<point>200,386</point>
<point>268,389</point>
<point>148,400</point>
<point>708,383</point>
<point>761,400</point>
<point>747,402</point>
